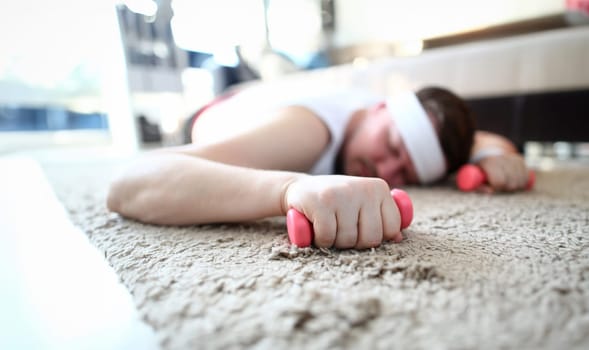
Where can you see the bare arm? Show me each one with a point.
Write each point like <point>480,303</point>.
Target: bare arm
<point>224,181</point>
<point>237,179</point>
<point>177,189</point>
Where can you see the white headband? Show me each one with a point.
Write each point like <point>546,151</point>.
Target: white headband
<point>419,136</point>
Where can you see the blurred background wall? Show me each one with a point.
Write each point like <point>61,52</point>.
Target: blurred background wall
<point>129,72</point>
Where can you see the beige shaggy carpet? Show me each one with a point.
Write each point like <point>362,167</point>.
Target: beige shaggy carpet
<point>474,272</point>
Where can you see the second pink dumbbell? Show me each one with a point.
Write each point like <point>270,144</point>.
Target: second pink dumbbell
<point>300,230</point>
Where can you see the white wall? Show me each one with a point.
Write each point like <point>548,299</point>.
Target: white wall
<point>67,53</point>
<point>361,21</point>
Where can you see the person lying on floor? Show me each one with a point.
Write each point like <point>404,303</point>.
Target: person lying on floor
<point>333,157</point>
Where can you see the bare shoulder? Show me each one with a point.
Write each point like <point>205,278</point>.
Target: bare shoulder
<point>226,120</point>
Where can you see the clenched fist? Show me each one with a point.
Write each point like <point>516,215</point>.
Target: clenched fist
<point>345,211</point>
<point>505,173</point>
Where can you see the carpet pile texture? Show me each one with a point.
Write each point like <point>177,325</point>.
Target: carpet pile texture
<point>473,272</point>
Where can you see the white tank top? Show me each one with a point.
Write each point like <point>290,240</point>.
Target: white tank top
<point>334,108</point>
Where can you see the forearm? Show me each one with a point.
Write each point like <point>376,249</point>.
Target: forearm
<point>486,142</point>
<point>177,189</point>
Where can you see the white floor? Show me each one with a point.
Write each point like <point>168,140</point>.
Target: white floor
<point>56,290</point>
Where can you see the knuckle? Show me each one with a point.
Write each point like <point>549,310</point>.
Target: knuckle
<point>379,185</point>
<point>328,197</point>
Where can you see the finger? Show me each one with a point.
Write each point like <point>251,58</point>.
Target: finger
<point>391,219</point>
<point>517,175</point>
<point>510,180</point>
<point>497,177</point>
<point>325,227</point>
<point>369,226</point>
<point>347,228</point>
<point>513,183</point>
<point>523,176</point>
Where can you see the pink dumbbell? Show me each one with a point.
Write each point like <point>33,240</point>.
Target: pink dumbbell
<point>300,230</point>
<point>470,177</point>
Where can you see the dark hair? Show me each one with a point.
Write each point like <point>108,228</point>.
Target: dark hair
<point>456,123</point>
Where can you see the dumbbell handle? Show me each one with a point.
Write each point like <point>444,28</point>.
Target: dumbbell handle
<point>300,229</point>
<point>470,177</point>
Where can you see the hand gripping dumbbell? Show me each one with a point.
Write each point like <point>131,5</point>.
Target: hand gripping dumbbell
<point>470,177</point>
<point>300,229</point>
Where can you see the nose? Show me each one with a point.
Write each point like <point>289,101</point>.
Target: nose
<point>390,169</point>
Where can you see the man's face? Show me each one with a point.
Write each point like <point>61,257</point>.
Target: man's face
<point>375,149</point>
